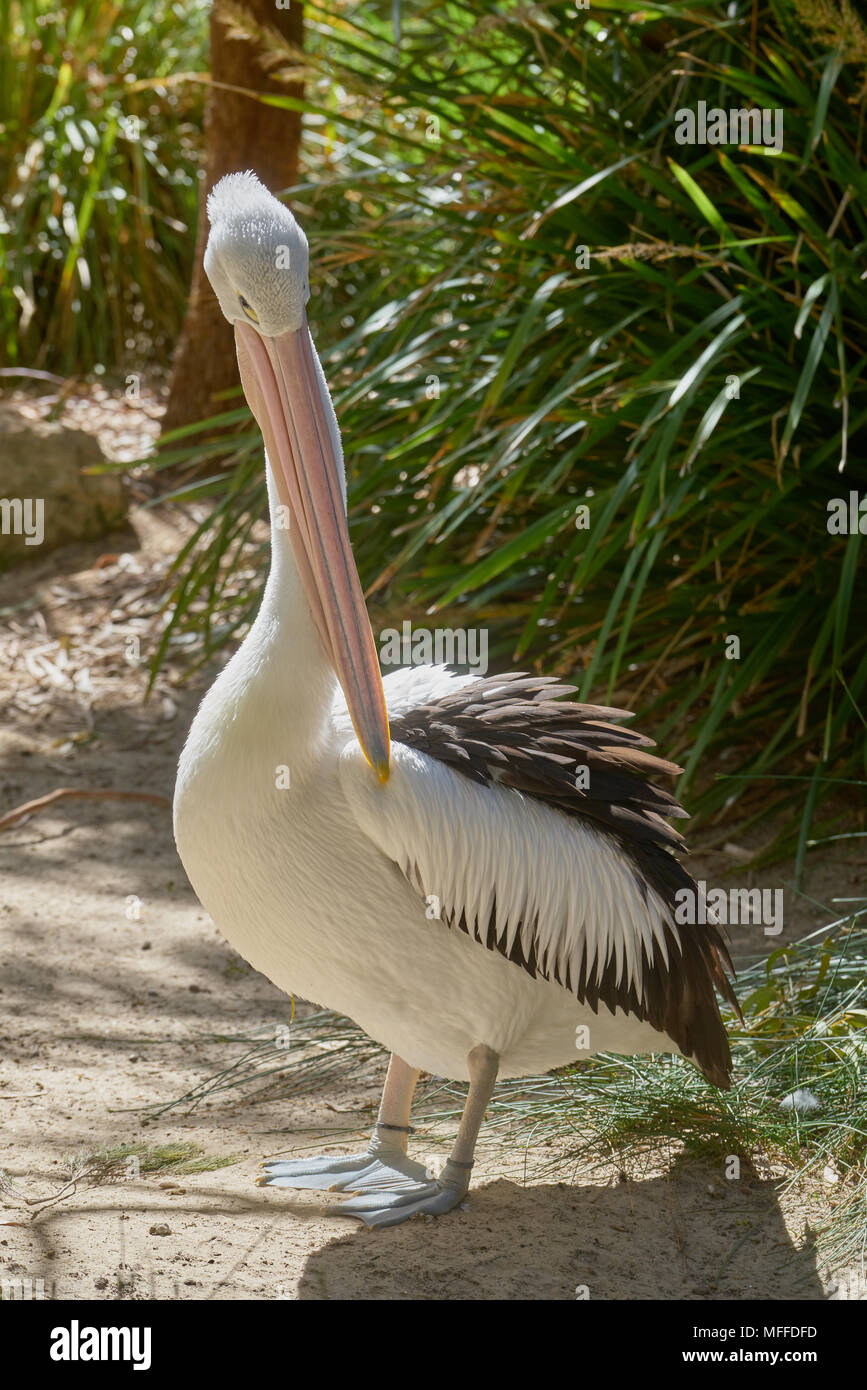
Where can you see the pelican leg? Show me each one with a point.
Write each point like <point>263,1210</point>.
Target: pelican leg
<point>384,1165</point>
<point>381,1204</point>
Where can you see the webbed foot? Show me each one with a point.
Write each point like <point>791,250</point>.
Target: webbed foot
<point>373,1171</point>
<point>386,1188</point>
<point>380,1205</point>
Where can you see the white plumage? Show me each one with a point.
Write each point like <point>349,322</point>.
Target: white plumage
<point>304,880</point>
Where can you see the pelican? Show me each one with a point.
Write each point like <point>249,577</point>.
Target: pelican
<point>479,871</point>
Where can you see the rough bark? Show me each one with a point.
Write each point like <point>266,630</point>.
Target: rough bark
<point>240,133</point>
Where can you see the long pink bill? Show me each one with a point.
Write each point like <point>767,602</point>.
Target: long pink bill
<point>286,396</point>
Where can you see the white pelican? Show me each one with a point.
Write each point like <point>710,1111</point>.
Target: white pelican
<point>454,888</point>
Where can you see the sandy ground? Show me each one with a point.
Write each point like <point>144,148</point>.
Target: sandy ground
<point>117,994</point>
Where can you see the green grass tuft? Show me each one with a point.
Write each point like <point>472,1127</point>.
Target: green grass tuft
<point>173,1160</point>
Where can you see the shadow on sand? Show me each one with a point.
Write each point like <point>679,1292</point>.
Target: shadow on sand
<point>665,1238</point>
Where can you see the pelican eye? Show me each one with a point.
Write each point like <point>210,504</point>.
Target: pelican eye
<point>248,309</point>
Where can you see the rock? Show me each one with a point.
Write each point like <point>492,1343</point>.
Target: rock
<point>46,497</point>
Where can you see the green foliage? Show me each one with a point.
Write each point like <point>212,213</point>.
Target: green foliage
<point>99,152</point>
<point>699,385</point>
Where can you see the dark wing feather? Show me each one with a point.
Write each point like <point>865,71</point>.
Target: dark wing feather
<point>510,730</point>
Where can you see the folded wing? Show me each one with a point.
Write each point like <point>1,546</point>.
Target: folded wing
<point>529,823</point>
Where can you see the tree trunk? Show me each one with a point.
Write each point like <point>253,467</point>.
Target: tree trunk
<point>240,133</point>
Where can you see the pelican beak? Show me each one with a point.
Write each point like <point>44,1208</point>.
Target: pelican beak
<point>286,392</point>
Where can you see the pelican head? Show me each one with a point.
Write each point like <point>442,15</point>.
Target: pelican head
<point>257,262</point>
